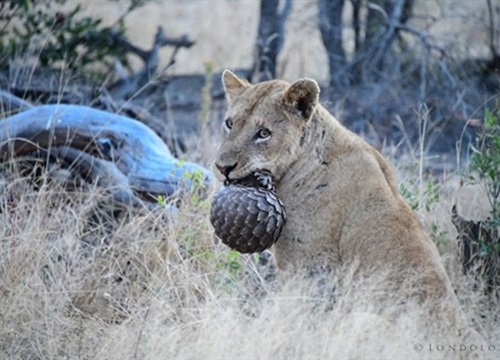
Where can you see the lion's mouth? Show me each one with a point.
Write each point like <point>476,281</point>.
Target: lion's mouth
<point>257,179</point>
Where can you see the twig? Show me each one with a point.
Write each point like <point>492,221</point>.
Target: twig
<point>141,330</point>
<point>423,116</point>
<point>356,23</point>
<point>380,10</point>
<point>423,37</point>
<point>423,76</point>
<point>385,42</point>
<point>126,87</point>
<point>491,19</point>
<point>119,40</point>
<point>8,18</point>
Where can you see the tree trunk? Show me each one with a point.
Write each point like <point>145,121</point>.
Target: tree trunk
<point>356,23</point>
<point>383,18</point>
<point>330,25</point>
<point>269,40</point>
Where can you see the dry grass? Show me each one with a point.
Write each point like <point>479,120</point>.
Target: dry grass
<point>153,284</point>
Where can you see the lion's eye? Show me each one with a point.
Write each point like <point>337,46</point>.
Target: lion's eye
<point>228,123</point>
<point>263,134</point>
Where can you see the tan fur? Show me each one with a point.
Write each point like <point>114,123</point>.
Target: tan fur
<point>343,205</point>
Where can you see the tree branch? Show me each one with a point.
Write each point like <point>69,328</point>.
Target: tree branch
<point>11,104</point>
<point>423,37</point>
<point>134,149</point>
<point>385,42</point>
<point>128,86</point>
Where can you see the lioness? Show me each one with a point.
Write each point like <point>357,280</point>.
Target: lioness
<point>343,205</point>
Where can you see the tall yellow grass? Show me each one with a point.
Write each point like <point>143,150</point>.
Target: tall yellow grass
<point>153,284</point>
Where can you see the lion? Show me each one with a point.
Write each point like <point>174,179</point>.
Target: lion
<point>344,209</point>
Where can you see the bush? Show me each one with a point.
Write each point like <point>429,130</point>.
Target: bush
<point>55,36</point>
<point>484,236</point>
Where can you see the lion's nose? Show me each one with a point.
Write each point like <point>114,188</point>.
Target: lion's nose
<point>225,170</point>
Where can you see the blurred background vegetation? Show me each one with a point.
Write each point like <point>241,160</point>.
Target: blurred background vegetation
<point>381,63</point>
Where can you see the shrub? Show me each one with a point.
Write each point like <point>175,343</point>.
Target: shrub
<point>58,36</point>
<point>481,241</point>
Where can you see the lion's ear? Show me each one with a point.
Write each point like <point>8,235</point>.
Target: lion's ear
<point>302,96</point>
<point>233,85</point>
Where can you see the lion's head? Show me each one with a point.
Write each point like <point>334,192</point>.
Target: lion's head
<point>264,125</point>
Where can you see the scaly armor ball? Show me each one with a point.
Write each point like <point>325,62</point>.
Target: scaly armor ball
<point>247,214</point>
